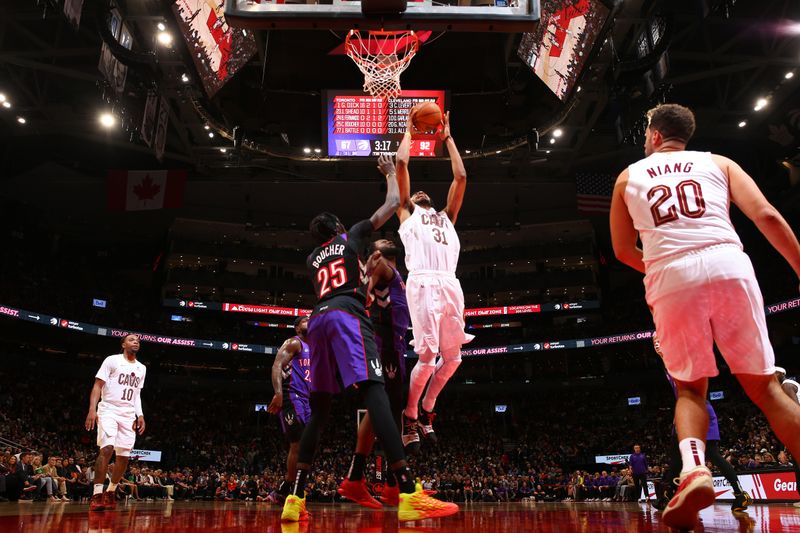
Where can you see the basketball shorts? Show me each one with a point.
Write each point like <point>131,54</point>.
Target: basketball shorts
<point>436,304</point>
<point>115,429</point>
<point>728,311</point>
<point>342,343</point>
<point>294,416</point>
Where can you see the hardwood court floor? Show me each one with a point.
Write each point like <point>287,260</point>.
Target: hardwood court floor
<point>188,517</point>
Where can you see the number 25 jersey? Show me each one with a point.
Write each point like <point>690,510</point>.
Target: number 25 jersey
<point>679,202</point>
<point>430,240</point>
<point>336,267</point>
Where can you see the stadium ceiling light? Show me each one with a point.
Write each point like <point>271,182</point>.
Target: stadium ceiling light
<point>206,127</point>
<point>165,38</point>
<point>184,78</point>
<point>107,120</point>
<point>210,134</point>
<point>547,152</point>
<point>317,150</point>
<point>761,103</point>
<point>223,150</point>
<point>306,150</point>
<point>21,120</point>
<point>742,124</point>
<point>497,151</point>
<point>7,104</point>
<point>2,97</point>
<point>789,75</point>
<point>552,140</point>
<point>161,26</point>
<point>558,132</point>
<point>467,151</point>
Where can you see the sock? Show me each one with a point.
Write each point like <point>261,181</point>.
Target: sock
<point>391,480</point>
<point>300,483</point>
<point>98,488</point>
<point>404,479</point>
<point>111,486</point>
<point>285,489</point>
<point>693,453</point>
<point>357,467</point>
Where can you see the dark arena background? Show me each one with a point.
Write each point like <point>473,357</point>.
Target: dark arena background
<point>160,163</point>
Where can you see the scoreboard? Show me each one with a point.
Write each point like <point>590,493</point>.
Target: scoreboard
<point>360,125</point>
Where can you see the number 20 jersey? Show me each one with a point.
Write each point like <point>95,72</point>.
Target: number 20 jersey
<point>679,202</point>
<point>430,240</point>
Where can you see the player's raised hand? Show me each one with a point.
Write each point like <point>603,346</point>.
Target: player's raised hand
<point>386,165</point>
<point>91,420</point>
<point>276,404</point>
<point>444,131</point>
<point>410,129</point>
<point>373,261</point>
<point>138,425</point>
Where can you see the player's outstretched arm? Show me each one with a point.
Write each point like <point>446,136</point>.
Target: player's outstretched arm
<point>749,198</point>
<point>403,177</point>
<point>455,196</point>
<point>392,201</point>
<point>94,397</point>
<point>285,354</point>
<point>623,232</point>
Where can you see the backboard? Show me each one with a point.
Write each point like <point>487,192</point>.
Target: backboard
<point>510,16</point>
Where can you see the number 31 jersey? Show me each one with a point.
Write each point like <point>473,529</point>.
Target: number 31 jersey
<point>430,240</point>
<point>123,382</point>
<point>679,202</point>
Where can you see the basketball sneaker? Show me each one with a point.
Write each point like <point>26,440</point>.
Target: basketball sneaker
<point>391,495</point>
<point>410,434</point>
<point>695,492</point>
<point>741,501</point>
<point>426,425</point>
<point>356,491</point>
<point>109,500</point>
<point>97,503</point>
<point>294,509</point>
<point>419,505</point>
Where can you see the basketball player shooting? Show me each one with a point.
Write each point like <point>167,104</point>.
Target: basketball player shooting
<point>344,353</point>
<point>701,286</point>
<point>117,386</point>
<point>435,298</point>
<point>291,380</point>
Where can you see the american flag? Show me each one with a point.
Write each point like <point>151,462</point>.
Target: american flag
<point>594,192</point>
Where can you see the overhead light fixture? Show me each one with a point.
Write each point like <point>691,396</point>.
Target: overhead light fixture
<point>317,150</point>
<point>2,97</point>
<point>742,124</point>
<point>161,26</point>
<point>7,104</point>
<point>206,127</point>
<point>184,78</point>
<point>558,132</point>
<point>579,88</point>
<point>552,141</point>
<point>547,152</point>
<point>210,134</point>
<point>107,120</point>
<point>467,151</point>
<point>165,38</point>
<point>497,151</point>
<point>21,120</point>
<point>789,75</point>
<point>306,150</point>
<point>223,150</point>
<point>761,103</point>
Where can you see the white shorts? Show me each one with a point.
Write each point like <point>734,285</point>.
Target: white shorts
<point>115,429</point>
<point>729,312</point>
<point>436,305</point>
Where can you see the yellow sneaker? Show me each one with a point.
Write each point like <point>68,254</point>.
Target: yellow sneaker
<point>294,509</point>
<point>419,505</point>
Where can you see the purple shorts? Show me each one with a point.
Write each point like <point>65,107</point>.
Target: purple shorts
<point>342,343</point>
<point>294,416</point>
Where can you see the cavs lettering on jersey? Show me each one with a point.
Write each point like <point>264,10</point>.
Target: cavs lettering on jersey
<point>679,202</point>
<point>124,381</point>
<point>430,240</point>
<point>298,373</point>
<point>336,267</point>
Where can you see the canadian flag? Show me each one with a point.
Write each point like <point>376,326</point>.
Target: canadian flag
<point>142,190</point>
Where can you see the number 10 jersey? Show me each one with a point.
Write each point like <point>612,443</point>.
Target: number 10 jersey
<point>124,381</point>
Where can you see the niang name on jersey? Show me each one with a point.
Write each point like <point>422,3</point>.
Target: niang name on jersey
<point>433,220</point>
<point>130,380</point>
<point>674,168</point>
<point>328,251</point>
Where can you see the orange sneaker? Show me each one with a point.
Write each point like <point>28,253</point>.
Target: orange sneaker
<point>109,500</point>
<point>695,492</point>
<point>419,506</point>
<point>391,495</point>
<point>356,491</point>
<point>97,503</point>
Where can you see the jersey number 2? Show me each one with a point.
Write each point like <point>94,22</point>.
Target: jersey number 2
<point>331,275</point>
<point>664,193</point>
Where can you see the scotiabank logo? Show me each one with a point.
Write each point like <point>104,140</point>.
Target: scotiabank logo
<point>64,323</point>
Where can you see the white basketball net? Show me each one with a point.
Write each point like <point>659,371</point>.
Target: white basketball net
<point>382,56</point>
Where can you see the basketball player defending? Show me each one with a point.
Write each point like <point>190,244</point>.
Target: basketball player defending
<point>390,319</point>
<point>291,379</point>
<point>435,298</point>
<point>117,386</point>
<point>343,346</point>
<point>741,500</point>
<point>701,286</point>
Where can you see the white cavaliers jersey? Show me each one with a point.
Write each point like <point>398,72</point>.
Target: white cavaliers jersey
<point>430,240</point>
<point>123,382</point>
<point>679,202</point>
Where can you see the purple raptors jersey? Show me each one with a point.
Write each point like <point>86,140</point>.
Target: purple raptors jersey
<point>713,425</point>
<point>298,374</point>
<point>390,307</point>
<point>336,267</point>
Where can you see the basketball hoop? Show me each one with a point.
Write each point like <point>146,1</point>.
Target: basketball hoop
<point>382,56</point>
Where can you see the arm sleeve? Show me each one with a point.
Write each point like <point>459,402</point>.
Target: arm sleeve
<point>359,234</point>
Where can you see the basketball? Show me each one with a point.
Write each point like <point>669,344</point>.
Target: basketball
<point>428,117</point>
